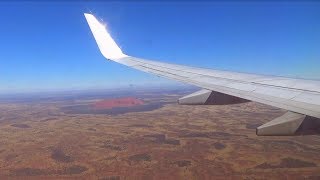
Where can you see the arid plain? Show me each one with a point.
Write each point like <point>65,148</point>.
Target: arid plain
<point>50,137</point>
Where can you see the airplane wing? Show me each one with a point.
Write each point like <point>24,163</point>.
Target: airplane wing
<point>300,97</point>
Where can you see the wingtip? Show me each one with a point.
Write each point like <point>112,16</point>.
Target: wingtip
<point>87,14</point>
<point>106,44</point>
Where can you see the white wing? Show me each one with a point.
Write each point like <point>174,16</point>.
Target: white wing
<point>300,97</point>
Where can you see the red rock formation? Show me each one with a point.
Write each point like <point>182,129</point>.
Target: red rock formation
<point>119,102</point>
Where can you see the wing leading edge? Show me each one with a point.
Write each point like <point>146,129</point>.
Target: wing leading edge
<point>300,97</point>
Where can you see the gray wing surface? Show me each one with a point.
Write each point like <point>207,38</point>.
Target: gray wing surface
<point>298,96</point>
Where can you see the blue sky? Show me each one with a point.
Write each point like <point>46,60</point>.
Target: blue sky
<point>49,46</point>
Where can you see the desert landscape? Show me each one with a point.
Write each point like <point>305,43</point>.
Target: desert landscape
<point>145,134</point>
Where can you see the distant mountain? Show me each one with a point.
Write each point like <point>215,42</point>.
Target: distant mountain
<point>118,102</point>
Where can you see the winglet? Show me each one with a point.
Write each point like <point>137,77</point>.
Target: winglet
<point>107,46</point>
